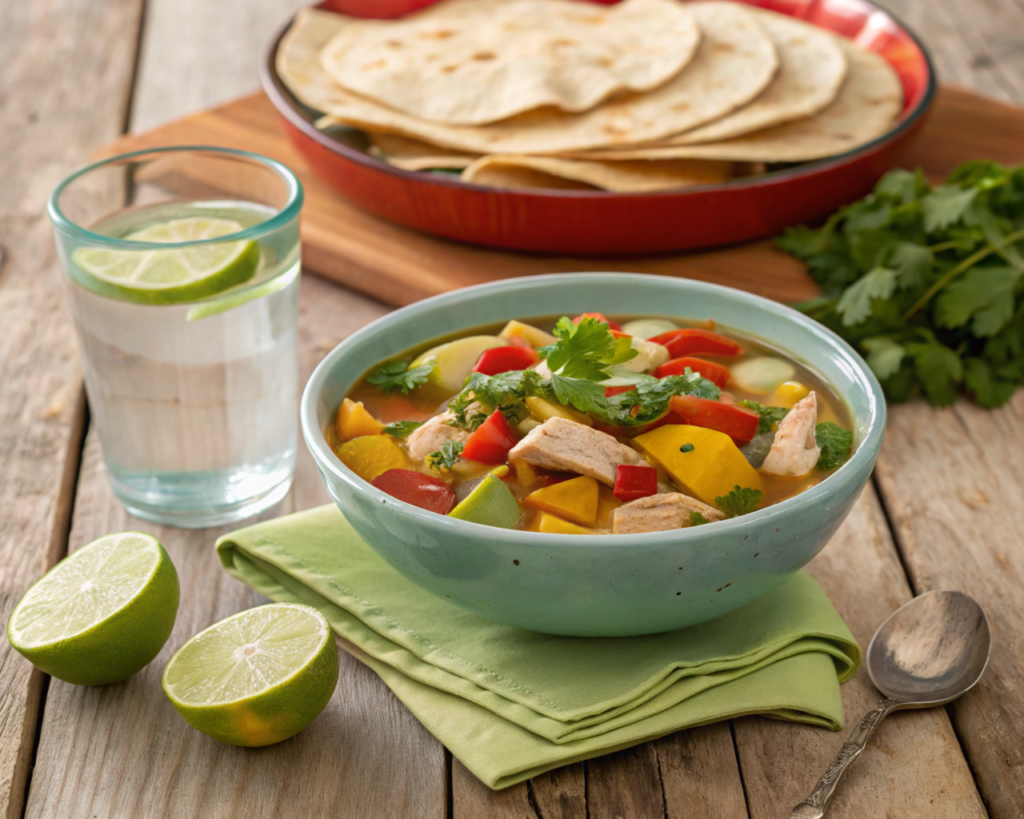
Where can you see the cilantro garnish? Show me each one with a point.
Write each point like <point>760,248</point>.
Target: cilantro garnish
<point>835,443</point>
<point>697,519</point>
<point>402,429</point>
<point>396,375</point>
<point>740,501</point>
<point>927,282</point>
<point>446,456</point>
<point>483,394</point>
<point>649,400</point>
<point>770,416</point>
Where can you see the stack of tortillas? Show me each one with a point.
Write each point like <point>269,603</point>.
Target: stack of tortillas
<point>643,95</point>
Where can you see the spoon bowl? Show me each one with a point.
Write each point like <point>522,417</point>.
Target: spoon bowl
<point>931,650</point>
<point>927,653</point>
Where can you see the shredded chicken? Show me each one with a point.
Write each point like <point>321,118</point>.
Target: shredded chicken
<point>432,435</point>
<point>659,513</point>
<point>567,446</point>
<point>795,450</point>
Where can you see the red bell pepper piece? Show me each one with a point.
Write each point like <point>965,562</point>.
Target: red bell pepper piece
<point>634,482</point>
<point>610,391</point>
<point>420,490</point>
<point>738,423</point>
<point>692,341</point>
<point>505,359</point>
<point>491,441</point>
<point>600,317</point>
<point>713,372</point>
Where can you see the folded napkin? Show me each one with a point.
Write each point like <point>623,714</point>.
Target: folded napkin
<point>511,704</point>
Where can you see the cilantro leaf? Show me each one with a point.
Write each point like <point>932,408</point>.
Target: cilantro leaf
<point>585,350</point>
<point>939,370</point>
<point>649,400</point>
<point>697,519</point>
<point>988,390</point>
<point>854,305</point>
<point>395,375</point>
<point>945,206</point>
<point>402,429</point>
<point>740,501</point>
<point>482,394</point>
<point>770,416</point>
<point>911,263</point>
<point>446,456</point>
<point>984,296</point>
<point>884,355</point>
<point>835,443</point>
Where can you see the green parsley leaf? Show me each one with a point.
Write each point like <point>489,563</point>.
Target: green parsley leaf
<point>740,501</point>
<point>984,296</point>
<point>835,443</point>
<point>855,304</point>
<point>945,206</point>
<point>988,390</point>
<point>649,400</point>
<point>585,350</point>
<point>697,519</point>
<point>884,355</point>
<point>770,416</point>
<point>395,375</point>
<point>402,429</point>
<point>446,456</point>
<point>939,370</point>
<point>483,394</point>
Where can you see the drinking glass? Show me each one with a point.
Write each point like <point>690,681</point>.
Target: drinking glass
<point>185,301</point>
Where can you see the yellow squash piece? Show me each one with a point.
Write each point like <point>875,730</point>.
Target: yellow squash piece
<point>788,394</point>
<point>607,503</point>
<point>372,455</point>
<point>531,335</point>
<point>355,421</point>
<point>525,474</point>
<point>575,500</point>
<point>709,470</point>
<point>551,525</point>
<point>545,410</point>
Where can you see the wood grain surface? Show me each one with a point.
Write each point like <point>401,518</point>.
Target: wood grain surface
<point>946,515</point>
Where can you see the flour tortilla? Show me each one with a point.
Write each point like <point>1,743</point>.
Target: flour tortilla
<point>866,107</point>
<point>413,155</point>
<point>734,63</point>
<point>812,67</point>
<point>471,62</point>
<point>621,177</point>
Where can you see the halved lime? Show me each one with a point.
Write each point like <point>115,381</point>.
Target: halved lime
<point>174,275</point>
<point>256,678</point>
<point>101,614</point>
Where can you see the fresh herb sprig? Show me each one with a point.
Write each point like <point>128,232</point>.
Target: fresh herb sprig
<point>741,500</point>
<point>769,416</point>
<point>447,456</point>
<point>402,429</point>
<point>395,375</point>
<point>928,282</point>
<point>835,443</point>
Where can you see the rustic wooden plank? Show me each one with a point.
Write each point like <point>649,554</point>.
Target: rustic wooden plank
<point>95,754</point>
<point>58,117</point>
<point>952,483</point>
<point>914,766</point>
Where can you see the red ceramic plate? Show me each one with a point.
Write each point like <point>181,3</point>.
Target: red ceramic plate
<point>598,222</point>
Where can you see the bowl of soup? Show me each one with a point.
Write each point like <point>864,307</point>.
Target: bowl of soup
<point>595,454</point>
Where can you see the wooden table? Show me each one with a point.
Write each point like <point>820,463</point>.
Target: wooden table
<point>945,511</point>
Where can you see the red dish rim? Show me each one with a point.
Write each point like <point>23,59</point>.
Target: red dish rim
<point>290,108</point>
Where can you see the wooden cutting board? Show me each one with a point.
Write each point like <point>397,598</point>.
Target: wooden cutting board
<point>400,266</point>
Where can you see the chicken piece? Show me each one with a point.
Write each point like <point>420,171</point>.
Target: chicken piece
<point>432,435</point>
<point>795,451</point>
<point>659,513</point>
<point>566,446</point>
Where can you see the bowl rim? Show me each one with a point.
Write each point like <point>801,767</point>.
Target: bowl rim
<point>290,109</point>
<point>326,459</point>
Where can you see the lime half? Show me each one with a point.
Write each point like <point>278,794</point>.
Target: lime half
<point>101,614</point>
<point>256,678</point>
<point>174,275</point>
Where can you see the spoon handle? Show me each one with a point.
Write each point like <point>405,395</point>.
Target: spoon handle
<point>817,803</point>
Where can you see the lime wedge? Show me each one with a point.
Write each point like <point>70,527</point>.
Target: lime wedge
<point>101,614</point>
<point>174,275</point>
<point>256,678</point>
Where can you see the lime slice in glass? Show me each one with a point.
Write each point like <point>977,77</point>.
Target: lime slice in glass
<point>101,614</point>
<point>256,678</point>
<point>174,275</point>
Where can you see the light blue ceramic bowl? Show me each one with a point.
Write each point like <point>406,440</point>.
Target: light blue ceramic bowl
<point>600,585</point>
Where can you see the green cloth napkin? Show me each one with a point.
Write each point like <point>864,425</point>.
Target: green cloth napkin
<point>511,704</point>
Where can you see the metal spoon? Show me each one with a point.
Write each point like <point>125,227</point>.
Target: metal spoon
<point>927,653</point>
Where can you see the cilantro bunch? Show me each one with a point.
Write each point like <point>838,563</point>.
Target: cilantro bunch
<point>585,355</point>
<point>927,282</point>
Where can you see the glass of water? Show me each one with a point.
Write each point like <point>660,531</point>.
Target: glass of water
<point>186,303</point>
